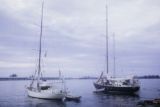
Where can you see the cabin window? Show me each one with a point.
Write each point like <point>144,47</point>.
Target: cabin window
<point>45,87</point>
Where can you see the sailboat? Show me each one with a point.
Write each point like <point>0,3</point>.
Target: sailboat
<point>108,83</point>
<point>40,88</point>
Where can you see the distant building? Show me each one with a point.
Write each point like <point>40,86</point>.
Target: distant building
<point>13,76</point>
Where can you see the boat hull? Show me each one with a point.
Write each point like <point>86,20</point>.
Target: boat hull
<point>46,95</point>
<point>98,86</point>
<point>121,89</point>
<point>73,98</point>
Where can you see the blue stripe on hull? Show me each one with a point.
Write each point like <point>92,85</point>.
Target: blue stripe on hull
<point>122,89</point>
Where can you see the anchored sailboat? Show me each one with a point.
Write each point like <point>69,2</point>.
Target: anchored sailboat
<point>114,84</point>
<point>40,88</point>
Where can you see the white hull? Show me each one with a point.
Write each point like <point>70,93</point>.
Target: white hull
<point>46,94</point>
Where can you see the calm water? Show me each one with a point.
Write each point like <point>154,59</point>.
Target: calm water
<point>13,94</point>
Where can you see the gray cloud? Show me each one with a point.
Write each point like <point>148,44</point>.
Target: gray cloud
<point>74,36</point>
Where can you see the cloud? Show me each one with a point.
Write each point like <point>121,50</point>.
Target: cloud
<point>74,35</point>
<point>15,65</point>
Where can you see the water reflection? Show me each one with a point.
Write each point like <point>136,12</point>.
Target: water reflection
<point>117,99</point>
<point>33,102</point>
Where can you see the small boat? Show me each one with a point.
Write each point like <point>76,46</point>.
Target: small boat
<point>73,98</point>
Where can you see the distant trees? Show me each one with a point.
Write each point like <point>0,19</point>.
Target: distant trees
<point>149,77</point>
<point>13,76</point>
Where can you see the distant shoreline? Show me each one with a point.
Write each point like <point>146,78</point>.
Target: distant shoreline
<point>69,78</point>
<point>46,78</point>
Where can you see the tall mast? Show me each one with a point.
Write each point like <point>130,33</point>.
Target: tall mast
<point>107,64</point>
<point>114,55</point>
<point>40,43</point>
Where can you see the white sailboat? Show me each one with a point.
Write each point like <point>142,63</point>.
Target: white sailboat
<point>40,88</point>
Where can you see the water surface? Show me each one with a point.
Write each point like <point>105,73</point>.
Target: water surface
<point>13,94</point>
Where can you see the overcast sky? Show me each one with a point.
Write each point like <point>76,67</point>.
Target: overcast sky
<point>74,36</point>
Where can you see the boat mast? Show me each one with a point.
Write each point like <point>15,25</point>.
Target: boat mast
<point>107,64</point>
<point>114,55</point>
<point>40,45</point>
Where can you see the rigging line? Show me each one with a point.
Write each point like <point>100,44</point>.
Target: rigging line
<point>33,78</point>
